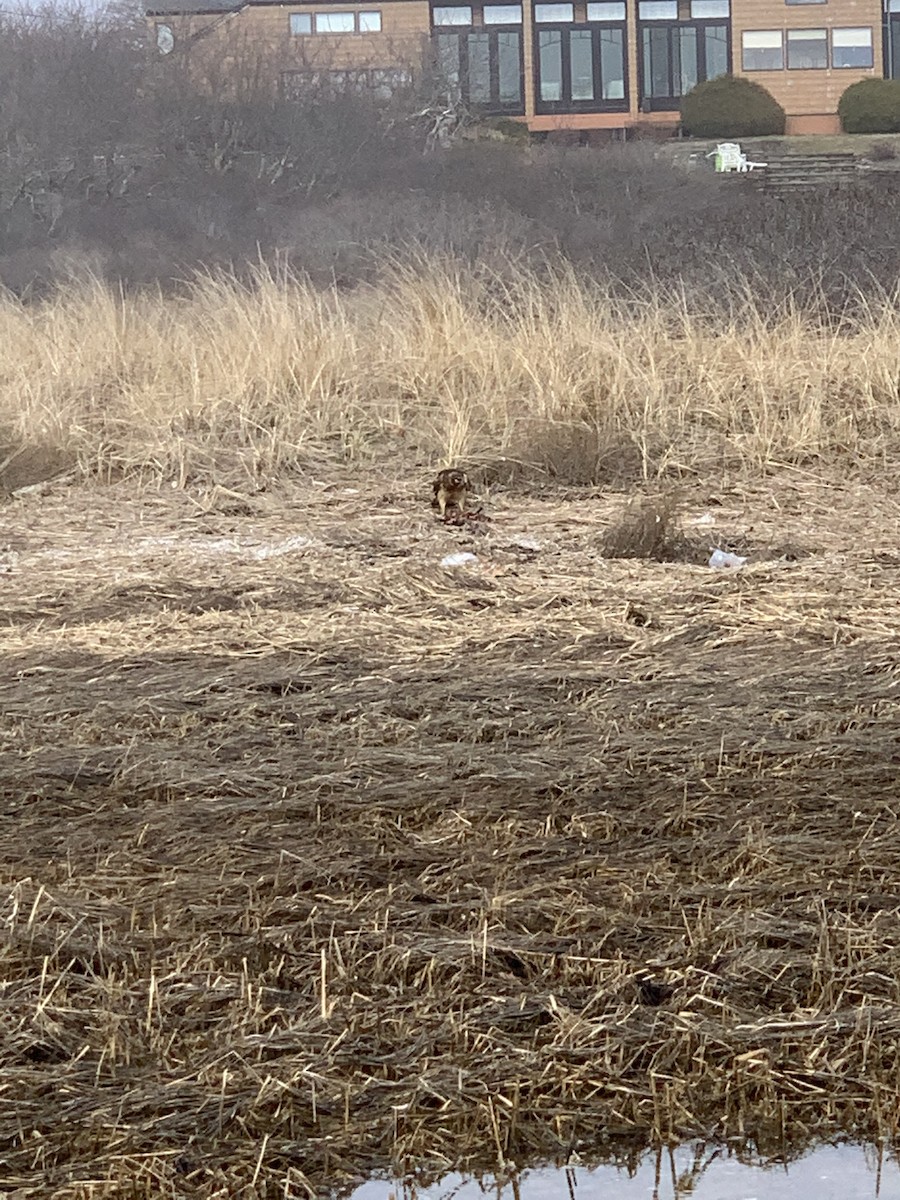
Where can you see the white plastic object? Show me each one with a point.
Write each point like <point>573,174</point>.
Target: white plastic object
<point>723,560</point>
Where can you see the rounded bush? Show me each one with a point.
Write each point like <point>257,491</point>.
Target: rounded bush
<point>871,106</point>
<point>731,107</point>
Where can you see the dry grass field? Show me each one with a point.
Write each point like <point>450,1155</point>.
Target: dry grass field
<point>318,857</point>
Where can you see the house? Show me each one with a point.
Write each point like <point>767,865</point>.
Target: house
<point>556,64</point>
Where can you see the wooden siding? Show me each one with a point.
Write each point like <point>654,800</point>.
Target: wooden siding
<point>530,80</point>
<point>260,38</point>
<point>261,34</point>
<point>807,93</point>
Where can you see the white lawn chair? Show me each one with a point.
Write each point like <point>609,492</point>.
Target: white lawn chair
<point>730,157</point>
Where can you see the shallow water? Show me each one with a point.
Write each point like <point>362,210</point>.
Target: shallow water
<point>696,1170</point>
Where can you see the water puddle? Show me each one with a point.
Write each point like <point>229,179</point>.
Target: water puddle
<point>698,1171</point>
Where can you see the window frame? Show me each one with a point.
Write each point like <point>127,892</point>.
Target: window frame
<point>608,20</point>
<point>566,104</point>
<point>791,36</point>
<point>327,14</point>
<point>720,16</point>
<point>311,18</point>
<point>752,70</point>
<point>670,19</point>
<point>672,102</point>
<point>871,48</point>
<point>890,43</point>
<point>447,8</point>
<point>563,22</point>
<point>502,24</point>
<point>495,105</point>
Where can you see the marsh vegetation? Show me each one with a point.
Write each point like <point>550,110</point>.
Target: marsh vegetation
<point>318,858</point>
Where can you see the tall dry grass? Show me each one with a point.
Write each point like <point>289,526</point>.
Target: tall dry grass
<point>440,362</point>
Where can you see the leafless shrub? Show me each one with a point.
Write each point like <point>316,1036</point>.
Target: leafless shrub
<point>648,528</point>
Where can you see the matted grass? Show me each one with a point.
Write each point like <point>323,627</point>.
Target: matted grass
<point>317,858</point>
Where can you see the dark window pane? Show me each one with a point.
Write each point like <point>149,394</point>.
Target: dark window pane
<point>657,62</point>
<point>509,68</point>
<point>762,50</point>
<point>807,49</point>
<point>894,47</point>
<point>716,41</point>
<point>687,59</point>
<point>612,64</point>
<point>479,68</point>
<point>448,61</point>
<point>550,58</point>
<point>581,64</point>
<point>647,72</point>
<point>662,63</point>
<point>852,47</point>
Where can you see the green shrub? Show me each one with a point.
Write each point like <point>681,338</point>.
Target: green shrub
<point>871,106</point>
<point>731,107</point>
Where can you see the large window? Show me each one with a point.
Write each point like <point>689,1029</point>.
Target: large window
<point>581,68</point>
<point>335,22</point>
<point>502,14</point>
<point>301,24</point>
<point>892,40</point>
<point>852,48</point>
<point>762,50</point>
<point>554,13</point>
<point>483,67</point>
<point>451,15</point>
<point>658,10</point>
<point>675,58</point>
<point>705,10</point>
<point>607,10</point>
<point>807,49</point>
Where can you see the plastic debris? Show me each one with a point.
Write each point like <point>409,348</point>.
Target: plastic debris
<point>462,559</point>
<point>724,560</point>
<point>532,545</point>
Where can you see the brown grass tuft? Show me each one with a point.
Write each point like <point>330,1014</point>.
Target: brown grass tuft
<point>647,528</point>
<point>247,383</point>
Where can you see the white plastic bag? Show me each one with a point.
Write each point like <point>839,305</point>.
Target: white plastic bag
<point>723,560</point>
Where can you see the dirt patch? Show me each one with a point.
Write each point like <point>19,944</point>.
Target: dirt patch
<point>321,861</point>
